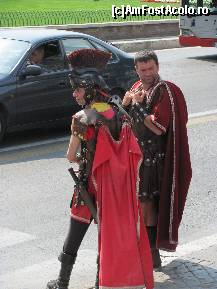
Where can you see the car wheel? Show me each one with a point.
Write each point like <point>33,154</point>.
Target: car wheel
<point>2,126</point>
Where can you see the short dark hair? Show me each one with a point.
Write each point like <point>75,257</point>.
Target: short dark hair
<point>145,56</point>
<point>41,47</point>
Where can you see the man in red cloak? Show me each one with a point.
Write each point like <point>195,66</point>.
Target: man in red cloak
<point>160,116</point>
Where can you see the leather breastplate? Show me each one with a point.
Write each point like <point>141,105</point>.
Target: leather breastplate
<point>152,145</point>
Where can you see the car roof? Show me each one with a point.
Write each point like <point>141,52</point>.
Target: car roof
<point>33,35</point>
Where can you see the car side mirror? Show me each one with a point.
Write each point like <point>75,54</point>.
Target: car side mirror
<point>31,70</point>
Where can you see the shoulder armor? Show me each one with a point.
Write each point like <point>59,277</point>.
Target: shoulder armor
<point>86,116</point>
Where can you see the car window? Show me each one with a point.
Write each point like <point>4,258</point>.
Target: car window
<point>48,56</point>
<point>11,51</point>
<point>101,47</point>
<point>72,44</point>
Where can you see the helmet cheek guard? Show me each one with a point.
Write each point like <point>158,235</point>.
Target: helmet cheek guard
<point>89,80</point>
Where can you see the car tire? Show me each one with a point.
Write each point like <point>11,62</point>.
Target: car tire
<point>2,126</point>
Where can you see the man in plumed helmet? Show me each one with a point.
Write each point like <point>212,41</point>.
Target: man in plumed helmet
<point>103,145</point>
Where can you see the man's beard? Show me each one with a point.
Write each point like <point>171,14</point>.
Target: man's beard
<point>150,81</point>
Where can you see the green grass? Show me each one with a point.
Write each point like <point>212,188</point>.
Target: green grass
<point>52,5</point>
<point>55,12</point>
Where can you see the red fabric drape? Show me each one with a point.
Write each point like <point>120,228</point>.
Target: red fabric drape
<point>170,115</point>
<point>125,259</point>
<point>177,171</point>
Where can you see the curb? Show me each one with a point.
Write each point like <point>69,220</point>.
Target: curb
<point>132,45</point>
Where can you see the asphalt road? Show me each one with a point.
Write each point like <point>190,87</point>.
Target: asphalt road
<point>193,69</point>
<point>35,187</point>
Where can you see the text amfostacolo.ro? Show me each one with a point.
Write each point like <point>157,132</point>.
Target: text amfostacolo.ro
<point>127,10</point>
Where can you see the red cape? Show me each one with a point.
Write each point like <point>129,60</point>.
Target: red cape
<point>177,171</point>
<point>125,259</point>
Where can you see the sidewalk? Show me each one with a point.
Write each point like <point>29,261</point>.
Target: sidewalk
<point>195,271</point>
<point>132,45</point>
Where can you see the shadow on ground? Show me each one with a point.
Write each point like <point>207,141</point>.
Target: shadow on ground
<point>208,58</point>
<point>186,274</point>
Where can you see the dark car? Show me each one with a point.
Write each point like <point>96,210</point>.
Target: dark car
<point>33,95</point>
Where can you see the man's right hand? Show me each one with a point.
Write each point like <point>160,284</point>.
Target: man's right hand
<point>138,96</point>
<point>127,98</point>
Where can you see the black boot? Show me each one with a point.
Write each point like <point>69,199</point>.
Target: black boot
<point>156,258</point>
<point>152,236</point>
<point>67,262</point>
<point>97,274</point>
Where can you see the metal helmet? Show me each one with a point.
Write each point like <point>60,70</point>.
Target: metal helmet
<point>86,67</point>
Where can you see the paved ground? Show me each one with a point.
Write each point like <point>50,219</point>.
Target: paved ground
<point>196,270</point>
<point>193,266</point>
<point>189,272</point>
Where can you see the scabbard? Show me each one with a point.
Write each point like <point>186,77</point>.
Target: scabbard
<point>84,194</point>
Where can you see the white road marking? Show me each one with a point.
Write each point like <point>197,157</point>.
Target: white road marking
<point>203,113</point>
<point>197,245</point>
<point>63,139</point>
<point>37,275</point>
<point>35,144</point>
<point>10,237</point>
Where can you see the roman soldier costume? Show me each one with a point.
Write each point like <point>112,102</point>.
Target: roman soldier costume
<point>109,161</point>
<point>165,173</point>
